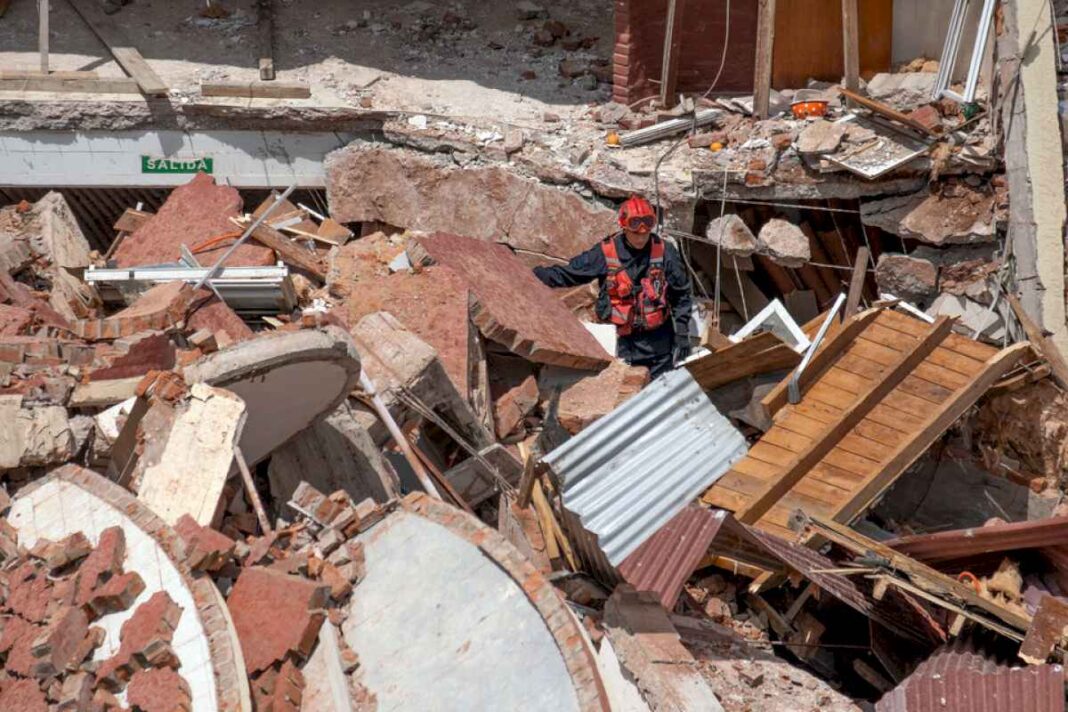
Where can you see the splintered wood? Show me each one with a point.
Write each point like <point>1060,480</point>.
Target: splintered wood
<point>861,450</point>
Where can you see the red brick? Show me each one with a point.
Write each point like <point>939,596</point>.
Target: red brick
<point>58,554</point>
<point>152,353</point>
<point>193,213</point>
<point>15,320</point>
<point>56,646</point>
<point>145,637</point>
<point>23,696</point>
<point>116,594</point>
<point>514,405</point>
<point>19,295</point>
<point>275,615</point>
<point>17,643</point>
<point>102,563</point>
<point>216,315</point>
<point>76,692</point>
<point>512,307</point>
<point>29,593</point>
<point>162,307</point>
<point>280,691</point>
<point>158,691</point>
<point>206,549</point>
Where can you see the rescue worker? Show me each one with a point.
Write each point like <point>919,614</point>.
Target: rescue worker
<point>645,290</point>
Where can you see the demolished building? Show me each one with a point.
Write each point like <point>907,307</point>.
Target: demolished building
<point>289,422</point>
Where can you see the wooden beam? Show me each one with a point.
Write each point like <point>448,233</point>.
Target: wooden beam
<point>760,353</point>
<point>944,416</point>
<point>265,19</point>
<point>889,112</point>
<point>42,33</point>
<point>131,220</point>
<point>257,90</point>
<point>764,53</point>
<point>250,490</point>
<point>669,70</point>
<point>856,283</point>
<point>35,74</point>
<point>827,354</point>
<point>288,251</point>
<point>851,44</point>
<point>114,38</point>
<point>439,478</point>
<point>775,489</point>
<point>1042,344</point>
<point>526,480</point>
<point>83,86</point>
<point>919,574</point>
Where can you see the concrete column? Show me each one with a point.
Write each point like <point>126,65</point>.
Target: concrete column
<point>1027,104</point>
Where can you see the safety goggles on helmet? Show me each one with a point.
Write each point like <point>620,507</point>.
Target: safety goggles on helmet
<point>641,223</point>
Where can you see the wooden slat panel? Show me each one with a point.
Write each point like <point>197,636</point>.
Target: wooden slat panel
<point>787,440</point>
<point>831,396</point>
<point>770,453</point>
<point>802,425</point>
<point>855,363</point>
<point>925,389</point>
<point>891,417</point>
<point>850,462</point>
<point>843,379</point>
<point>874,352</point>
<point>889,338</point>
<point>873,430</point>
<point>942,376</point>
<point>954,361</point>
<point>860,445</point>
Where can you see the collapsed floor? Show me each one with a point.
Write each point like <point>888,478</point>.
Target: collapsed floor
<point>318,460</point>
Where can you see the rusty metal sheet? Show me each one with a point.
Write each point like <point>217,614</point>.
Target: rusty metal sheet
<point>666,559</point>
<point>1046,631</point>
<point>959,678</point>
<point>960,545</point>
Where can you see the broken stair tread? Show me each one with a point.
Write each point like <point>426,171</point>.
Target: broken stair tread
<point>875,449</point>
<point>510,305</point>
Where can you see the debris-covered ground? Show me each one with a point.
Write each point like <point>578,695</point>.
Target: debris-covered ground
<point>260,456</point>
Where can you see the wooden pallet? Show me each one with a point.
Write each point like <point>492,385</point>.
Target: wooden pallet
<point>880,391</point>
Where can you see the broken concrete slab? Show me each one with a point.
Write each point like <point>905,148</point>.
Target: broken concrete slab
<point>650,649</point>
<point>585,398</point>
<point>327,684</point>
<point>322,365</point>
<point>182,471</point>
<point>510,305</point>
<point>337,453</point>
<point>478,595</point>
<point>417,191</point>
<point>784,243</point>
<point>193,213</point>
<point>512,406</point>
<point>976,318</point>
<point>72,499</point>
<point>33,436</point>
<point>821,137</point>
<point>431,303</point>
<point>958,216</point>
<point>910,278</point>
<point>732,234</point>
<point>396,358</point>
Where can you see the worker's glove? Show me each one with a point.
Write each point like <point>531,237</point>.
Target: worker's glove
<point>682,349</point>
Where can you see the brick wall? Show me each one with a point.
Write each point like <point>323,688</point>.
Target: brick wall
<point>638,51</point>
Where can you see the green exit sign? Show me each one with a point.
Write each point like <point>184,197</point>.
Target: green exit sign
<point>176,165</point>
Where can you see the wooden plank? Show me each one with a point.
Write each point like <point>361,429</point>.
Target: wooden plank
<point>765,48</point>
<point>830,396</point>
<point>112,35</point>
<point>1046,631</point>
<point>761,353</point>
<point>131,220</point>
<point>669,68</point>
<point>851,44</point>
<point>917,573</point>
<point>36,74</point>
<point>42,33</point>
<point>265,20</point>
<point>1042,344</point>
<point>288,251</point>
<point>257,90</point>
<point>926,390</point>
<point>940,419</point>
<point>852,362</point>
<point>828,352</point>
<point>857,280</point>
<point>886,111</point>
<point>83,86</point>
<point>797,468</point>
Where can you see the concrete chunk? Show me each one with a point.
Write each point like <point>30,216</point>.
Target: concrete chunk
<point>910,278</point>
<point>731,233</point>
<point>960,215</point>
<point>784,243</point>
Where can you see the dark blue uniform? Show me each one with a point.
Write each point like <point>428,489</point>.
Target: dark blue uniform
<point>655,348</point>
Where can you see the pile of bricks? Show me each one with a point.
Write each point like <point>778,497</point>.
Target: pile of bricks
<point>51,595</point>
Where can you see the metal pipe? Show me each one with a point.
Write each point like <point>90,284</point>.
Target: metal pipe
<point>794,389</point>
<point>398,437</point>
<point>241,240</point>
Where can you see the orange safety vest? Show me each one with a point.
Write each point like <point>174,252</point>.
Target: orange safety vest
<point>636,309</point>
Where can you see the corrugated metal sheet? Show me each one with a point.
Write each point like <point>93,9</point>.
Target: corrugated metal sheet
<point>961,547</point>
<point>959,678</point>
<point>664,562</point>
<point>628,474</point>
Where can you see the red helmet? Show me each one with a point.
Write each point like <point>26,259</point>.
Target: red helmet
<point>637,215</point>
